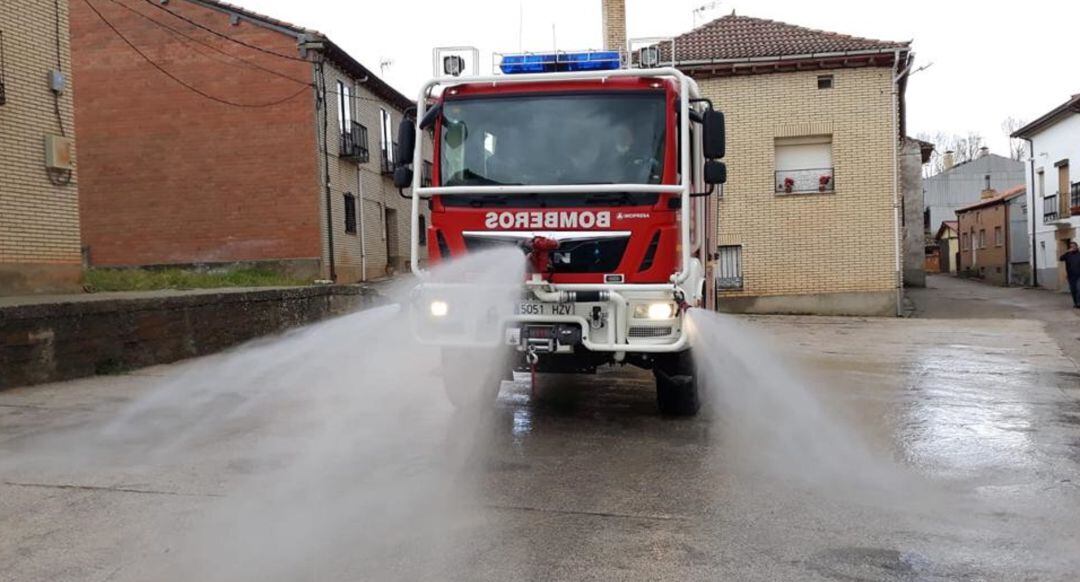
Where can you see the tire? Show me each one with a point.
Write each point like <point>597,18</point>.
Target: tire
<point>472,377</point>
<point>677,385</point>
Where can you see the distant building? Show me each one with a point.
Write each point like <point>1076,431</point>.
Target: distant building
<point>960,185</point>
<point>984,236</point>
<point>815,126</point>
<point>233,138</point>
<point>948,243</point>
<point>39,193</point>
<point>1054,197</point>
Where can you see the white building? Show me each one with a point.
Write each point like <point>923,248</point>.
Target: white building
<point>1053,193</point>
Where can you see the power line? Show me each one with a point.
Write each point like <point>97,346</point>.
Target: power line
<point>210,46</point>
<point>181,81</point>
<point>223,35</point>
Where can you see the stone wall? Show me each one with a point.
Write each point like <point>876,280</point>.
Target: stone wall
<point>87,335</point>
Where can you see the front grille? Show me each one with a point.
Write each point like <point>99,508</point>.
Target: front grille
<point>647,332</point>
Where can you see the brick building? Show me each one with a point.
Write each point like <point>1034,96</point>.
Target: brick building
<point>985,234</point>
<point>809,220</point>
<point>39,196</point>
<point>215,135</point>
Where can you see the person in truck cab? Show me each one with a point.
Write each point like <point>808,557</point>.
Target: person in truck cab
<point>1071,258</point>
<point>635,164</point>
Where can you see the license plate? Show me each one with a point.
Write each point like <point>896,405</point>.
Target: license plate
<point>536,308</point>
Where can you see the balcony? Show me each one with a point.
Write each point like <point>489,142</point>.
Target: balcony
<point>354,144</point>
<point>388,164</point>
<point>805,181</point>
<point>1051,208</point>
<point>1074,198</point>
<point>425,175</point>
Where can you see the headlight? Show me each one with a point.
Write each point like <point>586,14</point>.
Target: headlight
<point>439,308</point>
<point>654,311</point>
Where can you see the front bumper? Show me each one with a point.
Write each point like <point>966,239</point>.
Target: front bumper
<point>598,318</point>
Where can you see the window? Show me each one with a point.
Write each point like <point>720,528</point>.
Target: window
<point>804,164</point>
<point>350,213</point>
<point>982,238</point>
<point>1040,182</point>
<point>729,267</point>
<point>825,82</point>
<point>386,138</point>
<point>964,242</point>
<point>422,228</point>
<point>999,237</point>
<point>344,107</point>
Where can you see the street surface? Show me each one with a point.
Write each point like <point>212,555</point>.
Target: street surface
<point>971,428</point>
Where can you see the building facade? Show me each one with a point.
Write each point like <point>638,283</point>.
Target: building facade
<point>811,215</point>
<point>962,184</point>
<point>984,236</point>
<point>238,139</point>
<point>39,183</point>
<point>948,243</point>
<point>1054,189</point>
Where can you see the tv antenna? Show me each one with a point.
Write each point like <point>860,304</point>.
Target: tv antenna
<point>384,64</point>
<point>700,11</point>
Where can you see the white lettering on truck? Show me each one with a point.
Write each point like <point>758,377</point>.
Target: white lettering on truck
<point>552,219</point>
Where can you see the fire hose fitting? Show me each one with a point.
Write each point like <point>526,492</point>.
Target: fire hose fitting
<point>539,250</point>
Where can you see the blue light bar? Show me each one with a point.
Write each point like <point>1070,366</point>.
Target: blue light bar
<point>560,62</point>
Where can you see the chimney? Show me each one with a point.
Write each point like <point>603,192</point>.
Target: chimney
<point>614,23</point>
<point>984,151</point>
<point>949,161</point>
<point>988,193</point>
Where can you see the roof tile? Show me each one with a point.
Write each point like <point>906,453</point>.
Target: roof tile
<point>744,37</point>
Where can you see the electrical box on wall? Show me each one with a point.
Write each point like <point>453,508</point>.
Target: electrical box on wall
<point>59,152</point>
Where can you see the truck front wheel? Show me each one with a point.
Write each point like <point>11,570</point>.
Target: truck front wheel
<point>677,385</point>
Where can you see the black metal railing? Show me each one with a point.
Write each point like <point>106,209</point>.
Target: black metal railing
<point>1074,198</point>
<point>425,175</point>
<point>354,144</point>
<point>805,180</point>
<point>1051,209</point>
<point>388,164</point>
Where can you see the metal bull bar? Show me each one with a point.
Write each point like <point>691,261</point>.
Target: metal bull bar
<point>544,291</point>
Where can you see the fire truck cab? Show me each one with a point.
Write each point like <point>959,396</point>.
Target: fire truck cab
<point>602,175</point>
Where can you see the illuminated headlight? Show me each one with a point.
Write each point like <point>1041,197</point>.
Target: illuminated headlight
<point>439,309</point>
<point>654,311</point>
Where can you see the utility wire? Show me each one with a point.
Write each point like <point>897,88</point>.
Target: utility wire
<point>210,46</point>
<point>223,35</point>
<point>181,81</point>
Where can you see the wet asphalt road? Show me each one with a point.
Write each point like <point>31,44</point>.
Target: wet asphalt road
<point>586,482</point>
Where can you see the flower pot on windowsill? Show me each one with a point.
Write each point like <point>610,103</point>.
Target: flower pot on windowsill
<point>789,185</point>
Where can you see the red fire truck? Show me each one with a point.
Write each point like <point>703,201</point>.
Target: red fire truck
<point>603,175</point>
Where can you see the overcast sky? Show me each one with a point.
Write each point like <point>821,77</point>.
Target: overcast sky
<point>990,60</point>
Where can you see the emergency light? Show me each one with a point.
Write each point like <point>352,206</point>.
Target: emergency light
<point>560,62</point>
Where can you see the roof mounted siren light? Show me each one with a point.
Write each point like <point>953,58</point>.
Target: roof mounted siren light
<point>650,52</point>
<point>454,61</point>
<point>558,62</point>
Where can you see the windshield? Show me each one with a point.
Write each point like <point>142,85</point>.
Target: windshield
<point>554,139</point>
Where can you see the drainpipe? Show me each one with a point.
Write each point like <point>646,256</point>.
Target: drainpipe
<point>898,241</point>
<point>360,218</point>
<point>326,169</point>
<point>1031,210</point>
